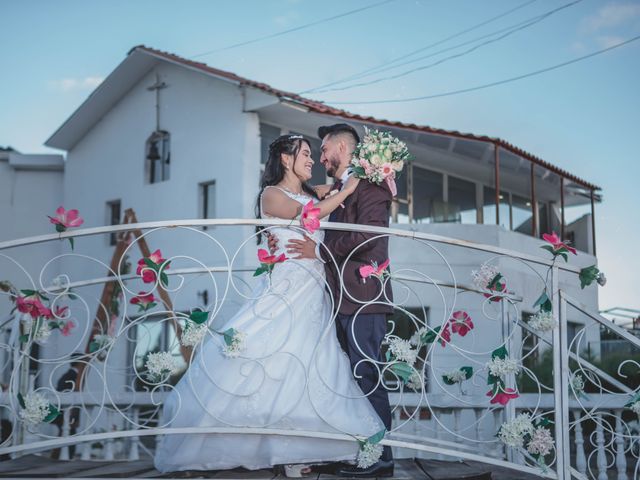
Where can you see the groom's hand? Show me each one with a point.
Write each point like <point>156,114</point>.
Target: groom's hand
<point>303,248</point>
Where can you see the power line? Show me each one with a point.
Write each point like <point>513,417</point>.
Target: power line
<point>421,49</point>
<point>493,84</point>
<point>510,32</point>
<point>294,29</point>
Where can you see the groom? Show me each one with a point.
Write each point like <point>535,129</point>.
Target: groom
<point>360,329</point>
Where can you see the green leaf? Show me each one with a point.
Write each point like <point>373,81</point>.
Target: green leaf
<point>151,264</point>
<point>403,370</point>
<point>431,335</point>
<point>468,371</point>
<point>60,228</point>
<point>28,293</point>
<point>588,275</point>
<point>542,422</point>
<point>564,255</point>
<point>377,437</point>
<point>228,336</point>
<point>24,338</point>
<point>446,380</point>
<point>259,271</point>
<point>492,380</point>
<point>94,347</point>
<point>388,355</point>
<point>544,302</point>
<point>53,414</point>
<point>164,279</point>
<point>150,306</point>
<point>72,296</point>
<point>21,401</point>
<point>54,325</point>
<point>72,245</point>
<point>198,316</point>
<point>494,282</point>
<point>501,353</point>
<point>549,248</point>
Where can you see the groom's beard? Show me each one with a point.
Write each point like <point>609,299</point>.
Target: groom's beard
<point>332,167</point>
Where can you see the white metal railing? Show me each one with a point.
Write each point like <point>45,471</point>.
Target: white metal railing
<point>433,419</point>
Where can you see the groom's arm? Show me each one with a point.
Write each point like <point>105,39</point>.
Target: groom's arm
<point>374,202</point>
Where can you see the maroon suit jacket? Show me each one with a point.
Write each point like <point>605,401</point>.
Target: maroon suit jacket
<point>370,204</point>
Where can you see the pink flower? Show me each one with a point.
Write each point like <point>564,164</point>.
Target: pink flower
<point>148,272</point>
<point>144,301</point>
<point>377,271</point>
<point>557,243</point>
<point>66,328</point>
<point>32,305</point>
<point>59,313</point>
<point>500,286</point>
<point>445,335</point>
<point>309,218</point>
<point>267,259</point>
<point>387,170</point>
<point>461,323</point>
<point>503,396</point>
<point>66,219</point>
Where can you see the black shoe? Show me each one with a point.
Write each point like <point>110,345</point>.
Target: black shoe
<point>383,468</point>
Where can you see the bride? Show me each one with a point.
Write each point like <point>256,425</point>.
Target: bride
<point>292,373</point>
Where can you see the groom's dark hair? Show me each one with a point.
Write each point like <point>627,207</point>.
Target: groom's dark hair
<point>338,129</point>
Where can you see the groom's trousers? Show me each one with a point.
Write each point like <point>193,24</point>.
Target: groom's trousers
<point>362,341</point>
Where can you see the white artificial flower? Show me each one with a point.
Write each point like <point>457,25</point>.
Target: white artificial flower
<point>512,433</point>
<point>483,277</point>
<point>635,407</point>
<point>36,409</point>
<point>237,345</point>
<point>102,339</point>
<point>415,381</point>
<point>377,160</point>
<point>193,334</point>
<point>543,321</point>
<point>499,367</point>
<point>541,442</point>
<point>456,376</point>
<point>416,338</point>
<point>577,383</point>
<point>369,454</point>
<point>42,333</point>
<point>402,350</point>
<point>159,365</point>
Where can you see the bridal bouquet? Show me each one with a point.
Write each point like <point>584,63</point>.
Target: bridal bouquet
<point>379,158</point>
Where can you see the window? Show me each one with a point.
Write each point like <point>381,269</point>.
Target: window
<point>158,156</point>
<point>428,204</point>
<point>113,218</point>
<point>489,208</point>
<point>521,214</point>
<point>461,201</point>
<point>268,133</point>
<point>208,200</point>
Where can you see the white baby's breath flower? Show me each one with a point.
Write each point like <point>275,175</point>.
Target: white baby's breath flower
<point>456,376</point>
<point>499,367</point>
<point>512,433</point>
<point>42,331</point>
<point>635,407</point>
<point>482,278</point>
<point>236,346</point>
<point>541,442</point>
<point>402,350</point>
<point>369,454</point>
<point>159,365</point>
<point>415,382</point>
<point>543,321</point>
<point>416,337</point>
<point>577,383</point>
<point>36,409</point>
<point>193,333</point>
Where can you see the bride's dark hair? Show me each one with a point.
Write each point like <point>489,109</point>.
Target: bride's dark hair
<point>274,169</point>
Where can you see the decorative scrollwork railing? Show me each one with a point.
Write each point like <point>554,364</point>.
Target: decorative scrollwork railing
<point>553,408</point>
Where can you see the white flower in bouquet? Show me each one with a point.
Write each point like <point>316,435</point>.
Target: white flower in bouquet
<point>36,409</point>
<point>541,442</point>
<point>635,407</point>
<point>379,158</point>
<point>483,277</point>
<point>193,333</point>
<point>159,365</point>
<point>543,321</point>
<point>234,343</point>
<point>456,376</point>
<point>369,454</point>
<point>499,367</point>
<point>512,433</point>
<point>402,350</point>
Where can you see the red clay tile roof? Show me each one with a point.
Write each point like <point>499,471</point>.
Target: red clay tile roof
<point>320,107</point>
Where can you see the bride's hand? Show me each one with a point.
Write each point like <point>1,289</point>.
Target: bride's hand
<point>351,184</point>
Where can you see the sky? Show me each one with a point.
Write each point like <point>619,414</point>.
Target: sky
<point>582,117</point>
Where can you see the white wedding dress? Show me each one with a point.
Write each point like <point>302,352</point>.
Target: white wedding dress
<point>292,375</point>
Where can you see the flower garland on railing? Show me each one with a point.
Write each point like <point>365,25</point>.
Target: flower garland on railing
<point>43,319</point>
<point>36,409</point>
<point>523,432</point>
<point>489,278</point>
<point>370,449</point>
<point>499,367</point>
